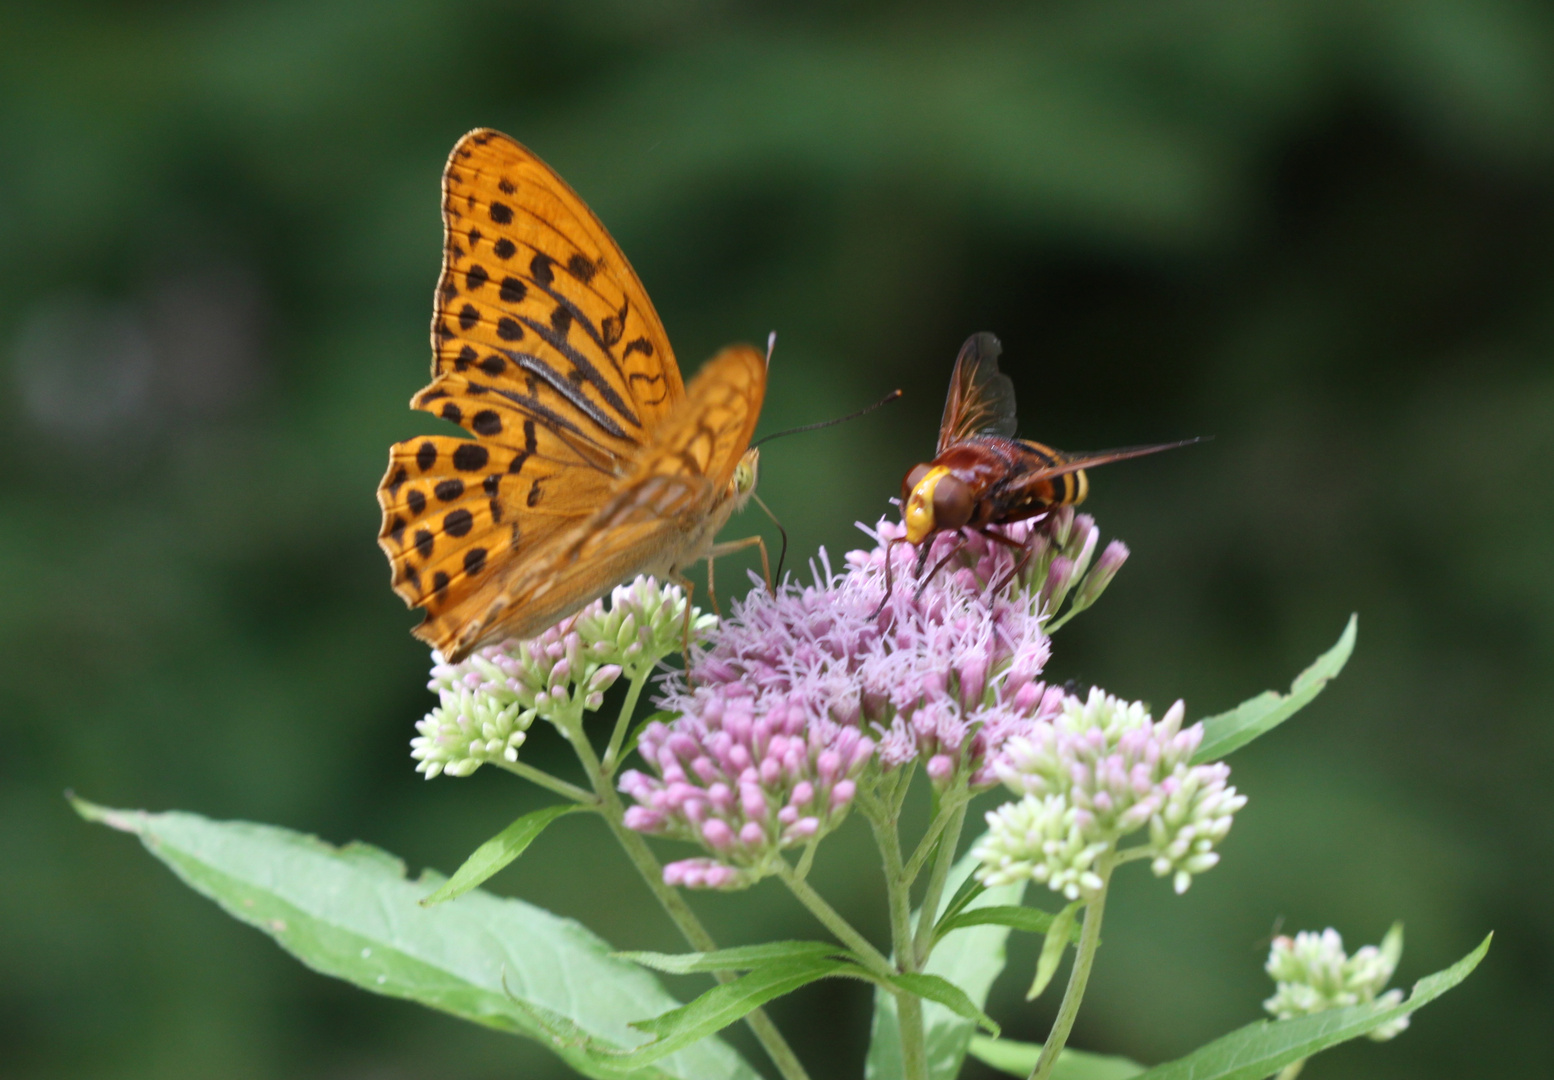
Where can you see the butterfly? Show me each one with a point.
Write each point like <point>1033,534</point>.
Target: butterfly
<point>981,474</point>
<point>591,461</point>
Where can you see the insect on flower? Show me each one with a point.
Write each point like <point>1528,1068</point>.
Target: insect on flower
<point>981,474</point>
<point>592,461</point>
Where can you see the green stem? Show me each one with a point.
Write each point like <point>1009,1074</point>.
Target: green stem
<point>668,897</point>
<point>1292,1070</point>
<point>1084,959</point>
<point>832,920</point>
<point>545,780</point>
<point>928,912</point>
<point>925,846</point>
<point>898,890</point>
<point>623,721</point>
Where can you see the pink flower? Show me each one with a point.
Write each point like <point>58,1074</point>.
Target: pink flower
<point>796,693</point>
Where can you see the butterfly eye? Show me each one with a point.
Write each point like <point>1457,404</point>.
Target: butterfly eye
<point>913,478</point>
<point>952,503</point>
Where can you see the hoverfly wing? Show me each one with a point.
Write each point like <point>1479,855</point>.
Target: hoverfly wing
<point>981,398</point>
<point>1071,463</point>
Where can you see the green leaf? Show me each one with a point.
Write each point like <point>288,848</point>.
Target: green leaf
<point>1262,1049</point>
<point>1019,1058</point>
<point>1030,920</point>
<point>1059,934</point>
<point>737,959</point>
<point>969,890</point>
<point>1230,731</point>
<point>497,852</point>
<point>970,959</point>
<point>723,1005</point>
<point>349,912</point>
<point>941,990</point>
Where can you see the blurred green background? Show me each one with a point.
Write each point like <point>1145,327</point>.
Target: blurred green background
<point>1321,231</point>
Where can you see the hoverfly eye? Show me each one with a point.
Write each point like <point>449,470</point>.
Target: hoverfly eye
<point>952,503</point>
<point>913,478</point>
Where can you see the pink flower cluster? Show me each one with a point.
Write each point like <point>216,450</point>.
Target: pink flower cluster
<point>743,784</point>
<point>943,672</point>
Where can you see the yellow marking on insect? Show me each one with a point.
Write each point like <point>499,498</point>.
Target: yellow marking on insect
<point>919,507</point>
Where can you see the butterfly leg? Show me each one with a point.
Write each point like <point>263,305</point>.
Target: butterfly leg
<point>717,551</point>
<point>690,590</point>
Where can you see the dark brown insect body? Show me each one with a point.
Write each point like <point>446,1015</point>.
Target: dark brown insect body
<point>984,476</point>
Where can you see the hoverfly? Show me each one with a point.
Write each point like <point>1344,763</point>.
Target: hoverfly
<point>981,474</point>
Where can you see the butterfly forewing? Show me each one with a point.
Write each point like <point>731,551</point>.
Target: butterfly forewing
<point>538,305</point>
<point>981,398</point>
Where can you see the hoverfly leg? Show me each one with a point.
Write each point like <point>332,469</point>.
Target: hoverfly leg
<point>1025,549</point>
<point>960,535</point>
<point>889,585</point>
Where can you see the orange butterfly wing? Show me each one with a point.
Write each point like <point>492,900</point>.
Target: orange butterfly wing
<point>981,398</point>
<point>665,514</point>
<point>547,349</point>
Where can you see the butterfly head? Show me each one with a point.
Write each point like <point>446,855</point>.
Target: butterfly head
<point>742,484</point>
<point>934,498</point>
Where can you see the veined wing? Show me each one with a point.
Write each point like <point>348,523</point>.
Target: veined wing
<point>981,398</point>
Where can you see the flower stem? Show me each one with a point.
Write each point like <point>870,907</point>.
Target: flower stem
<point>623,721</point>
<point>832,920</point>
<point>549,782</point>
<point>1084,959</point>
<point>1292,1070</point>
<point>668,897</point>
<point>898,889</point>
<point>928,913</point>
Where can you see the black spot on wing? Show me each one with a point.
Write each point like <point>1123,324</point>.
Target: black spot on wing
<point>476,278</point>
<point>581,268</point>
<point>470,457</point>
<point>458,522</point>
<point>513,290</point>
<point>501,213</point>
<point>416,502</point>
<point>474,561</point>
<point>504,248</point>
<point>426,456</point>
<point>486,422</point>
<point>450,411</point>
<point>641,345</point>
<point>448,490</point>
<point>542,270</point>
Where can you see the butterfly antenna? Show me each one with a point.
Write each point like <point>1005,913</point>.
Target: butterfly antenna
<point>886,400</point>
<point>783,553</point>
